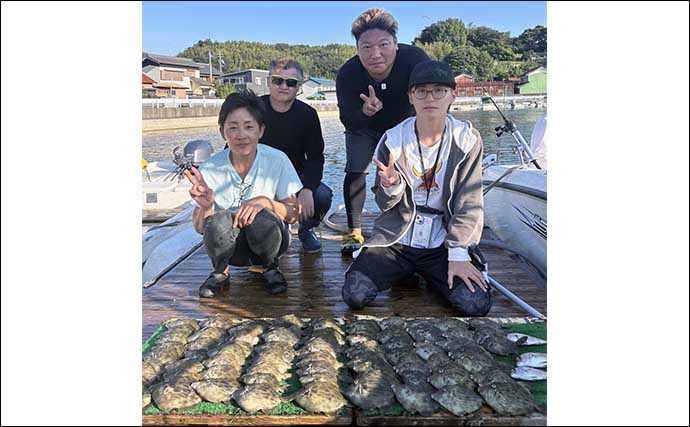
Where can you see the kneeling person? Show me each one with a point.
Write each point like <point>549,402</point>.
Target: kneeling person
<point>244,195</point>
<point>429,190</point>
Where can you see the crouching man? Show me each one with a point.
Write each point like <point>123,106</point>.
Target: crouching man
<point>429,190</point>
<point>244,195</point>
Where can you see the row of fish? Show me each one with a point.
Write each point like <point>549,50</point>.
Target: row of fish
<point>424,364</point>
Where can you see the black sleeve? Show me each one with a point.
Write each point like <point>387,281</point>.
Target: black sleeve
<point>313,148</point>
<point>419,56</point>
<point>349,103</point>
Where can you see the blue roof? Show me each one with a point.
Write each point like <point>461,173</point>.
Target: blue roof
<point>323,81</point>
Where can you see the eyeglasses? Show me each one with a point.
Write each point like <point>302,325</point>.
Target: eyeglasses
<point>436,93</point>
<point>290,82</point>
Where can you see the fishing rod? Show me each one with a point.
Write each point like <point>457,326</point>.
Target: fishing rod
<point>511,127</point>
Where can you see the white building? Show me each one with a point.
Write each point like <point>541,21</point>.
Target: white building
<point>317,87</point>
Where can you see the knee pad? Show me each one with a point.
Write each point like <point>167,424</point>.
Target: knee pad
<point>358,290</point>
<point>470,304</point>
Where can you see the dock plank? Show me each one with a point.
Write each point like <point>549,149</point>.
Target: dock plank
<point>314,288</point>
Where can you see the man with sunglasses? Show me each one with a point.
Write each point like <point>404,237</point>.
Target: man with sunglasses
<point>429,190</point>
<point>372,98</point>
<point>293,127</point>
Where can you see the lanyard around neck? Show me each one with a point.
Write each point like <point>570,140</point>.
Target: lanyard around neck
<point>428,182</point>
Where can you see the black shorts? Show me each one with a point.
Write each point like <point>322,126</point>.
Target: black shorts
<point>359,149</point>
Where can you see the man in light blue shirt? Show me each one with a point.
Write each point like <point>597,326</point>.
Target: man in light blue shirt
<point>244,196</point>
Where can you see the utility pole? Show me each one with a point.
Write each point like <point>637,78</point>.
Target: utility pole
<point>220,62</point>
<point>210,65</point>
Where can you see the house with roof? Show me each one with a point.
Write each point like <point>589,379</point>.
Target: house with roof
<point>171,73</point>
<point>147,86</point>
<point>208,73</point>
<point>532,82</point>
<point>466,86</point>
<point>251,78</point>
<point>318,87</point>
<point>202,88</point>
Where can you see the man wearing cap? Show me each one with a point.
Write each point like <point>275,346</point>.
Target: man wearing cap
<point>429,190</point>
<point>372,98</point>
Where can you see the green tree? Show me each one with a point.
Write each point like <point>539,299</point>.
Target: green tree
<point>224,89</point>
<point>485,67</point>
<point>452,31</point>
<point>464,60</point>
<point>438,51</point>
<point>495,43</point>
<point>533,39</point>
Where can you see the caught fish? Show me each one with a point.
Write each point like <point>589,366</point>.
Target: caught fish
<point>526,373</point>
<point>515,337</point>
<point>532,360</point>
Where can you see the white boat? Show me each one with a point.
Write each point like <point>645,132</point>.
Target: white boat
<point>165,245</point>
<point>515,201</point>
<point>515,209</point>
<point>165,189</point>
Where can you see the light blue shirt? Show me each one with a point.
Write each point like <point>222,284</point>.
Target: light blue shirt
<point>271,175</point>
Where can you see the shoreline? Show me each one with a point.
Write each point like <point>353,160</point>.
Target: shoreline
<point>153,126</point>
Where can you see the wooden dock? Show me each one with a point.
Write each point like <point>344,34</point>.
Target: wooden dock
<point>314,288</point>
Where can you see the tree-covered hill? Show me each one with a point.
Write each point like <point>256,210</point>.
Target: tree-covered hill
<point>485,53</point>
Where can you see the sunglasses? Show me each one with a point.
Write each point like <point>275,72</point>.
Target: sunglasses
<point>290,82</point>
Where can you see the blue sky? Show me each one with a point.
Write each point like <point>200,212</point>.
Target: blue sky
<point>170,27</point>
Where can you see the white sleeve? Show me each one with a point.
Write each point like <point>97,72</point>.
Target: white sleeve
<point>458,254</point>
<point>394,190</point>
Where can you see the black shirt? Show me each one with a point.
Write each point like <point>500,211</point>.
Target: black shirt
<point>297,133</point>
<point>353,80</point>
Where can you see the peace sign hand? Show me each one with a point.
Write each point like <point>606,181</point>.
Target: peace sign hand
<point>372,104</point>
<point>200,192</point>
<point>389,176</point>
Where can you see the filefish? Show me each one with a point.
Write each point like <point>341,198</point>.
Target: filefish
<point>526,373</point>
<point>514,337</point>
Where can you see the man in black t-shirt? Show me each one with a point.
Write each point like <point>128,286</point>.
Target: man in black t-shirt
<point>293,127</point>
<point>372,98</point>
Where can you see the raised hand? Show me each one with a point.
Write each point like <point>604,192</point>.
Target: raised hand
<point>467,272</point>
<point>372,104</point>
<point>200,192</point>
<point>389,176</point>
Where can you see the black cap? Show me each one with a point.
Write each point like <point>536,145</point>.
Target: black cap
<point>432,72</point>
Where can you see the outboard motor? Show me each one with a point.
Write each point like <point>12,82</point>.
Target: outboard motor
<point>194,154</point>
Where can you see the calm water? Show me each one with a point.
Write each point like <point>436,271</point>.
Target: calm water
<point>159,146</point>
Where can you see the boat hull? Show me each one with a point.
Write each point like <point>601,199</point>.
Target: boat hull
<point>515,209</point>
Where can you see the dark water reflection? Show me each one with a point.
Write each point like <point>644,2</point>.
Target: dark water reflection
<point>159,146</point>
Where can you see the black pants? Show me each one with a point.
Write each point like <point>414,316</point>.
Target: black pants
<point>385,266</point>
<point>262,242</point>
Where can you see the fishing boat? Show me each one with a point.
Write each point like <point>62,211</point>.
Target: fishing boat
<point>515,198</point>
<point>164,189</point>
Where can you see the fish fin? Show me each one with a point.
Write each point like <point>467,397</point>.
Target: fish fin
<point>521,340</point>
